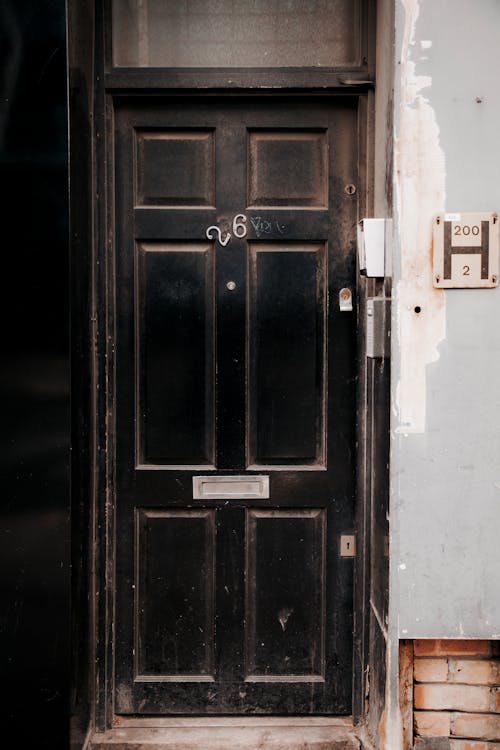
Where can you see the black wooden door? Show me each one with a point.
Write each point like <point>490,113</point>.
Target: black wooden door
<point>234,359</point>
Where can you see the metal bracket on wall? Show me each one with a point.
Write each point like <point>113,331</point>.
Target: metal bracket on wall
<point>377,327</point>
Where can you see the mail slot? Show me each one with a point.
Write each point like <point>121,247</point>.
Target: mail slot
<point>231,488</point>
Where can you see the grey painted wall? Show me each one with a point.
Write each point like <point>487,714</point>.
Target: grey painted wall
<point>445,457</point>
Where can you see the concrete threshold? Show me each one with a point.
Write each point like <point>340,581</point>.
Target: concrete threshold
<point>235,734</point>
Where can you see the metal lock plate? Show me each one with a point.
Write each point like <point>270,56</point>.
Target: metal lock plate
<point>347,545</point>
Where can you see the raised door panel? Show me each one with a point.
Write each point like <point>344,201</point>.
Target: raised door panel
<point>175,339</point>
<point>175,553</point>
<point>286,354</point>
<point>285,596</point>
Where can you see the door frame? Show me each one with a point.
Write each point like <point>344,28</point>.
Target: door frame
<point>92,87</point>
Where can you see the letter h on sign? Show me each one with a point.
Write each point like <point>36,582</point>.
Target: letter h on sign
<point>450,249</point>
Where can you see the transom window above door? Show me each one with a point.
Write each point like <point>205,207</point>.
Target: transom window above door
<point>237,33</point>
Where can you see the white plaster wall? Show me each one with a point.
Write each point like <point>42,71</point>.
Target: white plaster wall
<point>445,455</point>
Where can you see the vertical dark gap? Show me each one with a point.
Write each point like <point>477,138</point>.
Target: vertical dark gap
<point>34,517</point>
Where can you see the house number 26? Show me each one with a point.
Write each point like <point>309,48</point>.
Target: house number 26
<point>239,230</point>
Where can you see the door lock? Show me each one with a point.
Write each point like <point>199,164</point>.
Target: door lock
<point>345,300</point>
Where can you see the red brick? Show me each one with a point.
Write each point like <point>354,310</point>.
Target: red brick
<point>473,745</point>
<point>476,726</point>
<point>432,723</point>
<point>425,647</point>
<point>451,647</point>
<point>430,670</point>
<point>440,697</point>
<point>474,671</point>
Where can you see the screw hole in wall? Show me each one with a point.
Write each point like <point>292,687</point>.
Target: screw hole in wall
<point>417,309</point>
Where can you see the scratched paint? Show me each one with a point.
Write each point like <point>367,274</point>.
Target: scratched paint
<point>420,193</point>
<point>284,616</point>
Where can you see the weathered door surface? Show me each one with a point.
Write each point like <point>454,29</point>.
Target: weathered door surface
<point>234,359</point>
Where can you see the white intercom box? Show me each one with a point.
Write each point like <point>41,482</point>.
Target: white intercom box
<point>373,247</point>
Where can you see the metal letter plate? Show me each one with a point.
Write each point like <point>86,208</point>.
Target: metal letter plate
<point>231,488</point>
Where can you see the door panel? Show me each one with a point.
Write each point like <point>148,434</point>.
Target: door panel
<point>233,358</point>
<point>175,168</point>
<point>286,355</point>
<point>288,168</point>
<point>175,376</point>
<point>285,638</point>
<point>175,594</point>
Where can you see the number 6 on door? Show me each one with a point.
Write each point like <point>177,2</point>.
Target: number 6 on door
<point>239,230</point>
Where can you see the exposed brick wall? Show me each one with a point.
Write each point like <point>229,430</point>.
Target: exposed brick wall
<point>456,694</point>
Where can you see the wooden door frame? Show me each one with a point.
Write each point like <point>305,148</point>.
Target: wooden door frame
<point>91,116</point>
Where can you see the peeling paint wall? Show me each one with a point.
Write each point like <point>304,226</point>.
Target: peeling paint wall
<point>445,455</point>
<point>420,193</point>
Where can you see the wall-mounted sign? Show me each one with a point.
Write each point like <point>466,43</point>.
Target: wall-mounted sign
<point>466,250</point>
